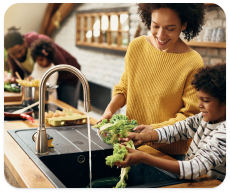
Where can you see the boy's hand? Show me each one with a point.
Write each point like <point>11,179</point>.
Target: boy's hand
<point>143,128</point>
<point>135,137</point>
<point>133,158</point>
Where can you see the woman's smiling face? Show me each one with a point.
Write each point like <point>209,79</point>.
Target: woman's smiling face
<point>212,109</point>
<point>165,28</point>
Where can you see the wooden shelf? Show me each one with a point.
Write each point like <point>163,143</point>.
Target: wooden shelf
<point>211,5</point>
<point>207,44</point>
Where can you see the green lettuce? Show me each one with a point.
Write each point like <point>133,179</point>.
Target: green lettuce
<point>117,127</point>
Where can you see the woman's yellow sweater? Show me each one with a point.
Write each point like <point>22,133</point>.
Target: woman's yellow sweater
<point>157,88</point>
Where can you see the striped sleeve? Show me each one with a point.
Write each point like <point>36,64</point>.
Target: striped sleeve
<point>210,156</point>
<point>181,130</point>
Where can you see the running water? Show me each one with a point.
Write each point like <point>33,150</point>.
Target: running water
<point>90,161</point>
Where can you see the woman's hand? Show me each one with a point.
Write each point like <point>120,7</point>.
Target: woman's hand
<point>13,80</point>
<point>143,128</point>
<point>135,137</point>
<point>133,158</point>
<point>107,115</point>
<point>29,78</point>
<point>116,103</point>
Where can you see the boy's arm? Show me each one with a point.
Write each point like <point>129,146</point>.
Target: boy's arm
<point>168,165</point>
<point>181,130</point>
<point>209,156</point>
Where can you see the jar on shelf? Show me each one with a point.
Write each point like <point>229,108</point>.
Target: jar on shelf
<point>207,34</point>
<point>220,35</point>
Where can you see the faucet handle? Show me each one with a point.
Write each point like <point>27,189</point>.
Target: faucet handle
<point>87,106</point>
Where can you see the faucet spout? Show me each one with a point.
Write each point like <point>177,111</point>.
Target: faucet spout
<point>41,144</point>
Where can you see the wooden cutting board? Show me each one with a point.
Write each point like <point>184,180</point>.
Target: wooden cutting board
<point>12,96</point>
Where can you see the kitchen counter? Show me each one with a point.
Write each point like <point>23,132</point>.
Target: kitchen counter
<point>28,175</point>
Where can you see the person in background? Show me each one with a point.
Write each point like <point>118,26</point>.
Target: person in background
<point>159,69</point>
<point>43,54</point>
<point>207,152</point>
<point>21,61</point>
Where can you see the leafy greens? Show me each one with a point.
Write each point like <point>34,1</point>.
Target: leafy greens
<point>117,127</point>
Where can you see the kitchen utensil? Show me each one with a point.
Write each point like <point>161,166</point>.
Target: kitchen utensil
<point>18,76</point>
<point>30,94</point>
<point>26,115</point>
<point>24,109</point>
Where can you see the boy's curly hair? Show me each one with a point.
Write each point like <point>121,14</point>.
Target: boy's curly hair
<point>192,13</point>
<point>212,79</point>
<point>38,47</point>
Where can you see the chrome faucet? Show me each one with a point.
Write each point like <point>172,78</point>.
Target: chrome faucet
<point>41,144</point>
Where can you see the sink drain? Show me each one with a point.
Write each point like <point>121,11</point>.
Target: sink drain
<point>81,159</point>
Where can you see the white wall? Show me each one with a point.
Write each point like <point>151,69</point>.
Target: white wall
<point>27,16</point>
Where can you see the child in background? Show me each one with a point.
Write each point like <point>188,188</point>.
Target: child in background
<point>43,53</point>
<point>207,152</point>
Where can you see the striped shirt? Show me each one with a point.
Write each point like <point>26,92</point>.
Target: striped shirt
<point>207,152</point>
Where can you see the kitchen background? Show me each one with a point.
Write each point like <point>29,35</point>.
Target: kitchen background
<point>103,67</point>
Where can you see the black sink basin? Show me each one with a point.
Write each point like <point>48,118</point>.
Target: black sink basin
<point>67,164</point>
<point>73,170</point>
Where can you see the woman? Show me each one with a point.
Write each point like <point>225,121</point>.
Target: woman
<point>156,83</point>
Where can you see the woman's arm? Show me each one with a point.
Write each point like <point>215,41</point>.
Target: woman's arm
<point>116,103</point>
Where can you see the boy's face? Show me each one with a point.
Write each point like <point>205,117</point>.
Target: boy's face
<point>212,109</point>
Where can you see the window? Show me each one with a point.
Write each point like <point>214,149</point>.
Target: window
<point>103,29</point>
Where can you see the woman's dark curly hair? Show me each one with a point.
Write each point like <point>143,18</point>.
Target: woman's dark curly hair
<point>12,38</point>
<point>212,79</point>
<point>44,48</point>
<point>192,13</point>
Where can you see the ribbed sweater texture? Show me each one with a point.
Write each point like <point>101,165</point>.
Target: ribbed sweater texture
<point>157,88</point>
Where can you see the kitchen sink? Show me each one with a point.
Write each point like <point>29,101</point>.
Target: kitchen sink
<point>67,164</point>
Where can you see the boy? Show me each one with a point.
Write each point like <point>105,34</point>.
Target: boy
<point>207,152</point>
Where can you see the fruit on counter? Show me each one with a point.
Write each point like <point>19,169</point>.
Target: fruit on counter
<point>51,113</point>
<point>65,117</point>
<point>62,114</point>
<point>47,115</point>
<point>56,115</point>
